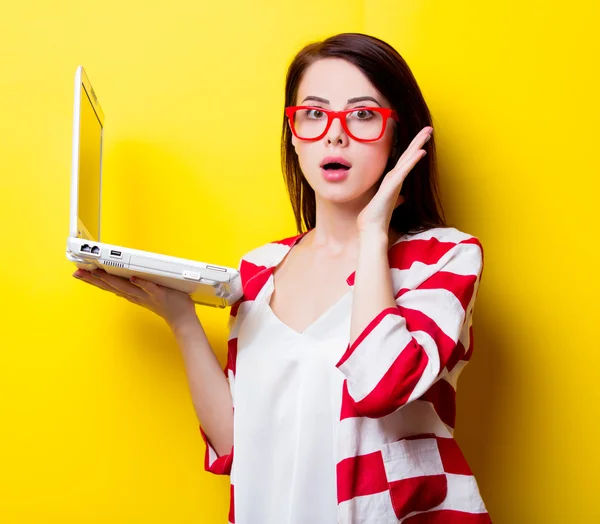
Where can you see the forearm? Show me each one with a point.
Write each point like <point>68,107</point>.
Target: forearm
<point>208,385</point>
<point>373,290</point>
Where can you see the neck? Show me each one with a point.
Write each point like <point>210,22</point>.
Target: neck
<point>336,233</point>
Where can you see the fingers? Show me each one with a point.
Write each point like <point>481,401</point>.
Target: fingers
<point>120,284</point>
<point>413,148</point>
<point>393,181</point>
<point>420,139</point>
<point>150,288</point>
<point>86,276</point>
<point>112,283</point>
<point>103,285</point>
<point>411,156</point>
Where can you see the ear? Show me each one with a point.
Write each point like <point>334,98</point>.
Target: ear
<point>294,139</point>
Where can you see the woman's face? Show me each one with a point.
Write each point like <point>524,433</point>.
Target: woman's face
<point>329,83</point>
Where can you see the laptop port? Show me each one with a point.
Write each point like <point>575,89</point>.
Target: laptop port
<point>215,268</point>
<point>86,249</point>
<point>96,250</point>
<point>116,254</point>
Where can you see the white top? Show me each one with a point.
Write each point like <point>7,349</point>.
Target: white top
<point>287,403</point>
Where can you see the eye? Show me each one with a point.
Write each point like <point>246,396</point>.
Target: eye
<point>361,114</point>
<point>314,113</point>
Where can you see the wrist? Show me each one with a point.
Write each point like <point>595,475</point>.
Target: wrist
<point>373,240</point>
<point>184,324</point>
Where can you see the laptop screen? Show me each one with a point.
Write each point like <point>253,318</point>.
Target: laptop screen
<point>90,166</point>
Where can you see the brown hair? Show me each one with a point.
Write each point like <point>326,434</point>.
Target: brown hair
<point>391,76</point>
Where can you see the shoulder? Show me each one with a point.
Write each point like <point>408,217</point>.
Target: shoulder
<point>437,247</point>
<point>257,264</point>
<point>266,255</point>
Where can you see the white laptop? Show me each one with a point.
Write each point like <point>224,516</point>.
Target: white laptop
<point>207,284</point>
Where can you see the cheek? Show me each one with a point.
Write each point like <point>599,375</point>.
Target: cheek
<point>385,148</point>
<point>309,157</point>
<point>374,158</point>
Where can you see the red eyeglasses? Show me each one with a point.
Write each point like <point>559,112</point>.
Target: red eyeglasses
<point>365,124</point>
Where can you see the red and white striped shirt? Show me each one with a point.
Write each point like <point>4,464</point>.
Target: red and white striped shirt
<point>397,460</point>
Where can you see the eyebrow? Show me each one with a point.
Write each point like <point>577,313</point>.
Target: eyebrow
<point>350,100</point>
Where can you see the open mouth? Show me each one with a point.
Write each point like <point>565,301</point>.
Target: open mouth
<point>334,166</point>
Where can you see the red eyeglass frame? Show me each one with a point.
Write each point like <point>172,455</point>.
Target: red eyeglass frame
<point>385,112</point>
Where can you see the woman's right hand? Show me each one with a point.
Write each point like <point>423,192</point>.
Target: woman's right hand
<point>174,306</point>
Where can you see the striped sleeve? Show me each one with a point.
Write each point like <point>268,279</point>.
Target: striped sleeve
<point>213,463</point>
<point>402,352</point>
<point>221,465</point>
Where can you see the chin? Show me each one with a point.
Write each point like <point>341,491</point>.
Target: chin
<point>338,193</point>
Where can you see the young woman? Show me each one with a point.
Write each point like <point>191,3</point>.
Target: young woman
<point>345,350</point>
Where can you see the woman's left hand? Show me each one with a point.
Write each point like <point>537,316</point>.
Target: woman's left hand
<point>377,214</point>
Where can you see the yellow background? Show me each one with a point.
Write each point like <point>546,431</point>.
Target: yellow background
<point>96,422</point>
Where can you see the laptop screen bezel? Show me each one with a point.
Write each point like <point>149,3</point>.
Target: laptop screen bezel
<point>76,226</point>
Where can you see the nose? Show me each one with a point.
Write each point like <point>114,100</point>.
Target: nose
<point>336,134</point>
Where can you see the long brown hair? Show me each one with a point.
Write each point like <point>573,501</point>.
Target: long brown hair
<point>391,76</point>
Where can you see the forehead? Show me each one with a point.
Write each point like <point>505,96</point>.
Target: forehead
<point>336,80</point>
